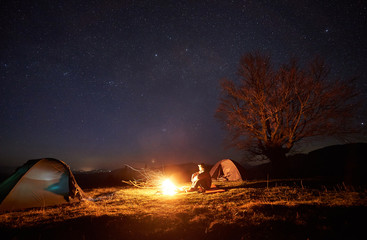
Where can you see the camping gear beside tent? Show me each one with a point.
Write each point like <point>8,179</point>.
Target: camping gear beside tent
<point>227,170</point>
<point>39,183</point>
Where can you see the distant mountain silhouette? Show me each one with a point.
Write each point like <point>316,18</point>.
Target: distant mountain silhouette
<point>339,163</point>
<point>346,163</point>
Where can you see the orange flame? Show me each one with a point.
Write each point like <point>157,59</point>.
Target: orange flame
<point>168,188</point>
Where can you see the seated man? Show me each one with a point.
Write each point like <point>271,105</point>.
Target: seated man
<point>201,179</point>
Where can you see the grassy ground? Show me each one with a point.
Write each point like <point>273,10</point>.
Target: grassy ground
<point>246,210</point>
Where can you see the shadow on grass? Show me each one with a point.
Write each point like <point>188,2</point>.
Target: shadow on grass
<point>261,222</point>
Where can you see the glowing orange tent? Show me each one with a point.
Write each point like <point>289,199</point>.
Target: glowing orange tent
<point>39,183</point>
<point>227,170</point>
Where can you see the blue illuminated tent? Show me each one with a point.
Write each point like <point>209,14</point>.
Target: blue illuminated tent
<point>39,183</point>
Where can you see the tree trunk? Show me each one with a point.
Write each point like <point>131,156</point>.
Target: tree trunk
<point>279,162</point>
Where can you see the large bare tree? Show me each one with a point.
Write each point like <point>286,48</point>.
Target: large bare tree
<point>268,110</point>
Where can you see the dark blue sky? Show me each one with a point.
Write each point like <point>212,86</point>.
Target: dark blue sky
<point>104,83</point>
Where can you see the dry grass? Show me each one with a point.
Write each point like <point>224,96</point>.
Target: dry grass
<point>240,207</point>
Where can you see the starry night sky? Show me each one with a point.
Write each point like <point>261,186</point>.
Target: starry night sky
<point>99,84</point>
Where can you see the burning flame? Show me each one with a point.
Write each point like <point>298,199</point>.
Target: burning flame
<point>168,188</point>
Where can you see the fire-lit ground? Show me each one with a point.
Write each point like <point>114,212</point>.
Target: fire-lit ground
<point>243,211</point>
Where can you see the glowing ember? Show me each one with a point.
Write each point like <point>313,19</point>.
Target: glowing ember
<point>168,188</point>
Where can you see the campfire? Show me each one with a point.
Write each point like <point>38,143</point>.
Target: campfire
<point>168,187</point>
<point>155,179</point>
